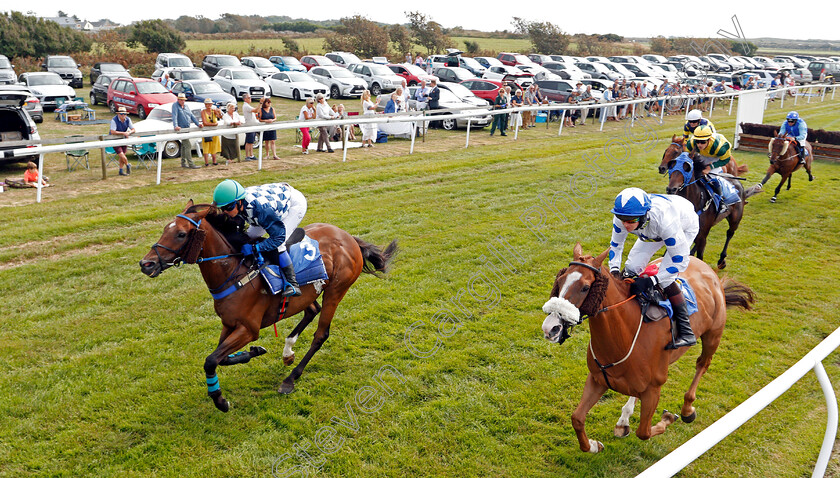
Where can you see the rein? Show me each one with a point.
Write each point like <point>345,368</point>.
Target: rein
<point>601,367</point>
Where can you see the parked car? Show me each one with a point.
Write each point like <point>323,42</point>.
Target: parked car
<point>450,100</point>
<point>33,104</point>
<point>513,59</point>
<point>595,70</point>
<point>287,63</point>
<point>655,58</point>
<point>801,76</point>
<point>380,60</point>
<point>66,68</point>
<point>48,87</point>
<point>112,69</point>
<point>488,61</point>
<point>410,73</point>
<point>295,85</point>
<point>620,69</point>
<point>261,66</point>
<point>556,90</point>
<point>455,60</point>
<point>766,62</point>
<point>464,93</point>
<point>173,60</point>
<point>239,80</point>
<point>506,73</point>
<point>7,72</point>
<point>99,90</point>
<point>342,58</point>
<point>139,95</point>
<point>819,67</point>
<point>15,123</point>
<point>160,119</point>
<point>200,90</point>
<point>211,64</point>
<point>179,74</point>
<point>339,81</point>
<point>453,74</point>
<point>539,59</point>
<point>379,78</point>
<point>484,88</point>
<point>543,73</point>
<point>310,61</point>
<point>797,62</point>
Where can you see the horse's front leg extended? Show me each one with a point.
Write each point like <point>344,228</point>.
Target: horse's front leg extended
<point>592,392</point>
<point>235,340</point>
<point>650,399</point>
<point>778,188</point>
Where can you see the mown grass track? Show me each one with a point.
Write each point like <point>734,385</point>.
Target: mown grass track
<point>101,372</point>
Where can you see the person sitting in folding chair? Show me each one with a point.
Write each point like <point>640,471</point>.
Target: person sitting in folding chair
<point>121,126</point>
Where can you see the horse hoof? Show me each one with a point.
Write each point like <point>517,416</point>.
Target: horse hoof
<point>595,446</point>
<point>257,351</point>
<point>668,416</point>
<point>222,405</point>
<point>289,360</point>
<point>773,199</point>
<point>722,265</point>
<point>810,178</point>
<point>286,388</point>
<point>689,418</point>
<point>622,431</point>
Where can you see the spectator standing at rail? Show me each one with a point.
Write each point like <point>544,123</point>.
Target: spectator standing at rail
<point>368,129</point>
<point>230,141</point>
<point>307,112</point>
<point>266,115</point>
<point>211,145</point>
<point>121,126</point>
<point>324,112</point>
<point>250,119</point>
<point>182,117</point>
<point>498,121</point>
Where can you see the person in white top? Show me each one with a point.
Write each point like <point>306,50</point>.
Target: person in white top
<point>658,220</point>
<point>249,119</point>
<point>230,141</point>
<point>368,129</point>
<point>324,112</point>
<point>307,112</point>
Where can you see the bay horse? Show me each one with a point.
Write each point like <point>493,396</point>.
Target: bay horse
<point>684,180</point>
<point>784,160</point>
<point>677,147</point>
<point>625,354</point>
<point>204,235</point>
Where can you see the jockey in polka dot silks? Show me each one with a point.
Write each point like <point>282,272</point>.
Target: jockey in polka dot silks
<point>658,220</point>
<point>276,209</point>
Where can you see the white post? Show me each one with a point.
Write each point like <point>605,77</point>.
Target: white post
<point>809,95</point>
<point>346,139</point>
<point>413,135</point>
<point>259,158</point>
<point>562,120</point>
<point>731,102</point>
<point>38,184</point>
<point>712,107</point>
<point>823,94</point>
<point>604,113</point>
<point>469,123</point>
<point>633,115</point>
<point>833,89</point>
<point>784,93</point>
<point>516,126</point>
<point>662,112</point>
<point>160,147</point>
<point>831,426</point>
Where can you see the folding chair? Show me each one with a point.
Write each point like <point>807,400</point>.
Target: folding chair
<point>111,157</point>
<point>146,154</point>
<point>77,155</point>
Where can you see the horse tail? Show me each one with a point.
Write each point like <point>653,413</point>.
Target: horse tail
<point>376,260</point>
<point>737,294</point>
<point>753,190</point>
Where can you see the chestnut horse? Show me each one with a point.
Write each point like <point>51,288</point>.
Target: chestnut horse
<point>785,160</point>
<point>203,234</point>
<point>625,354</point>
<point>677,146</point>
<point>683,180</point>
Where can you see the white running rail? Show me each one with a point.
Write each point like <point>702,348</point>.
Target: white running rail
<point>724,426</point>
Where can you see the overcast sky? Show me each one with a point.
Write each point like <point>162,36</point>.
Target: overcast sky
<point>806,19</point>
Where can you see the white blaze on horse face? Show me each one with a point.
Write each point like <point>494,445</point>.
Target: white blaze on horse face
<point>171,225</point>
<point>570,279</point>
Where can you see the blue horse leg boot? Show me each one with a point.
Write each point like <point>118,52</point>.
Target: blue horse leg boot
<point>292,289</point>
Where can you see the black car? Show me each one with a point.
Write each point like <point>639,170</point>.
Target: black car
<point>112,69</point>
<point>213,63</point>
<point>66,67</point>
<point>556,90</point>
<point>454,74</point>
<point>99,90</point>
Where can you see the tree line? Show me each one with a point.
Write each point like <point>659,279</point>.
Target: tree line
<point>28,36</point>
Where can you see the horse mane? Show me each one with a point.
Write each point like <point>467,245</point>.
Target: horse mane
<point>232,229</point>
<point>595,297</point>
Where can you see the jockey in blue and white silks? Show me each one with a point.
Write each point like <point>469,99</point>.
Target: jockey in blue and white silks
<point>658,220</point>
<point>794,127</point>
<point>276,209</point>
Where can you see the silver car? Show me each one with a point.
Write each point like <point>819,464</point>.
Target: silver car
<point>378,78</point>
<point>241,80</point>
<point>340,81</point>
<point>261,65</point>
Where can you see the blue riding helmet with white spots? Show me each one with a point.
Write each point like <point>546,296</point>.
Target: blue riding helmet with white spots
<point>631,202</point>
<point>793,115</point>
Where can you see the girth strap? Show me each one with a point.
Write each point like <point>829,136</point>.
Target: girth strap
<point>236,285</point>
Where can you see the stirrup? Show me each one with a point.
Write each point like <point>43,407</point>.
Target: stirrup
<point>681,342</point>
<point>291,291</point>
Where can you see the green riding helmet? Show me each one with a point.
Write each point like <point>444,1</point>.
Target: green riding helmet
<point>227,192</point>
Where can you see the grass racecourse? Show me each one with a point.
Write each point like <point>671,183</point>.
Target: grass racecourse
<point>102,366</point>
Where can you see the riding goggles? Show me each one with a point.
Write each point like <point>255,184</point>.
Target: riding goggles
<point>630,219</point>
<point>228,207</point>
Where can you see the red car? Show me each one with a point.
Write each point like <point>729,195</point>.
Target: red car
<point>310,61</point>
<point>513,59</point>
<point>486,89</point>
<point>139,95</point>
<point>412,74</point>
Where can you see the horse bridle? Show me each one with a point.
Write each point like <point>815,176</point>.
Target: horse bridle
<point>177,261</point>
<point>779,159</point>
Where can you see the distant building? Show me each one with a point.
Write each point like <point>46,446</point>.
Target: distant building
<point>83,25</point>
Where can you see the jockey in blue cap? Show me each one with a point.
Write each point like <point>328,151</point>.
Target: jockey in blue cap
<point>795,128</point>
<point>276,209</point>
<point>658,220</point>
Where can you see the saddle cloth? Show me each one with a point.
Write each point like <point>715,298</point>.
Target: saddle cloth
<point>308,264</point>
<point>654,311</point>
<point>729,194</point>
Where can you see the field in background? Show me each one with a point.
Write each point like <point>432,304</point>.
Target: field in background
<point>102,370</point>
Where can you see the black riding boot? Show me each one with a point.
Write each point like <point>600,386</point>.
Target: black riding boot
<point>293,289</point>
<point>801,150</point>
<point>685,336</point>
<point>718,189</point>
